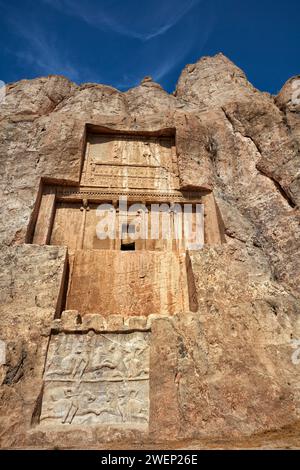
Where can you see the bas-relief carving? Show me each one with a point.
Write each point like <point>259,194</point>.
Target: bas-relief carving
<point>132,162</point>
<point>97,379</point>
<point>113,150</point>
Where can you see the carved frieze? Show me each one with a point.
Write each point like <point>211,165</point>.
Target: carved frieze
<point>130,162</point>
<point>97,379</point>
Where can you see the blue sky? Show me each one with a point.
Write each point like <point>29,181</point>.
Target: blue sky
<point>118,42</point>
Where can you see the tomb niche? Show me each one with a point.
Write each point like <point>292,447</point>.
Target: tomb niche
<point>103,378</point>
<point>130,272</point>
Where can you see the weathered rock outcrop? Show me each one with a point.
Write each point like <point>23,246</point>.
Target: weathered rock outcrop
<point>227,369</point>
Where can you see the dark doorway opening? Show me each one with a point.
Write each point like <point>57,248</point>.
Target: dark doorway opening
<point>128,246</point>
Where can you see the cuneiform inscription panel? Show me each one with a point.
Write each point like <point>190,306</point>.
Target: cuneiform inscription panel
<point>97,379</point>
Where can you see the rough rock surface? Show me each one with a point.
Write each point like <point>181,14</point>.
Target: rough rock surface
<point>227,368</point>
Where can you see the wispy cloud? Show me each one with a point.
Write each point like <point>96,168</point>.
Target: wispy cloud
<point>122,62</point>
<point>136,23</point>
<point>42,54</point>
<point>164,59</point>
<point>133,20</point>
<point>41,51</point>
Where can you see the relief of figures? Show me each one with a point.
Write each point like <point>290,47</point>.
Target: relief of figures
<point>141,163</point>
<point>97,378</point>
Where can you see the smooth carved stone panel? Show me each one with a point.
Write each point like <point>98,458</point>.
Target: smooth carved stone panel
<point>68,226</point>
<point>97,379</point>
<point>130,162</point>
<point>137,283</point>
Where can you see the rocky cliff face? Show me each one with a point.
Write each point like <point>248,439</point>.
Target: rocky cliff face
<point>228,368</point>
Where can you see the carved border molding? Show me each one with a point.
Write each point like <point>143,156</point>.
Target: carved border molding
<point>79,193</point>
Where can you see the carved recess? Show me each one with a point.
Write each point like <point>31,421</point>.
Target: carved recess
<point>120,161</point>
<point>97,379</point>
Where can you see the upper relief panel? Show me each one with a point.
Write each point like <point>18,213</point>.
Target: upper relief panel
<point>130,162</point>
